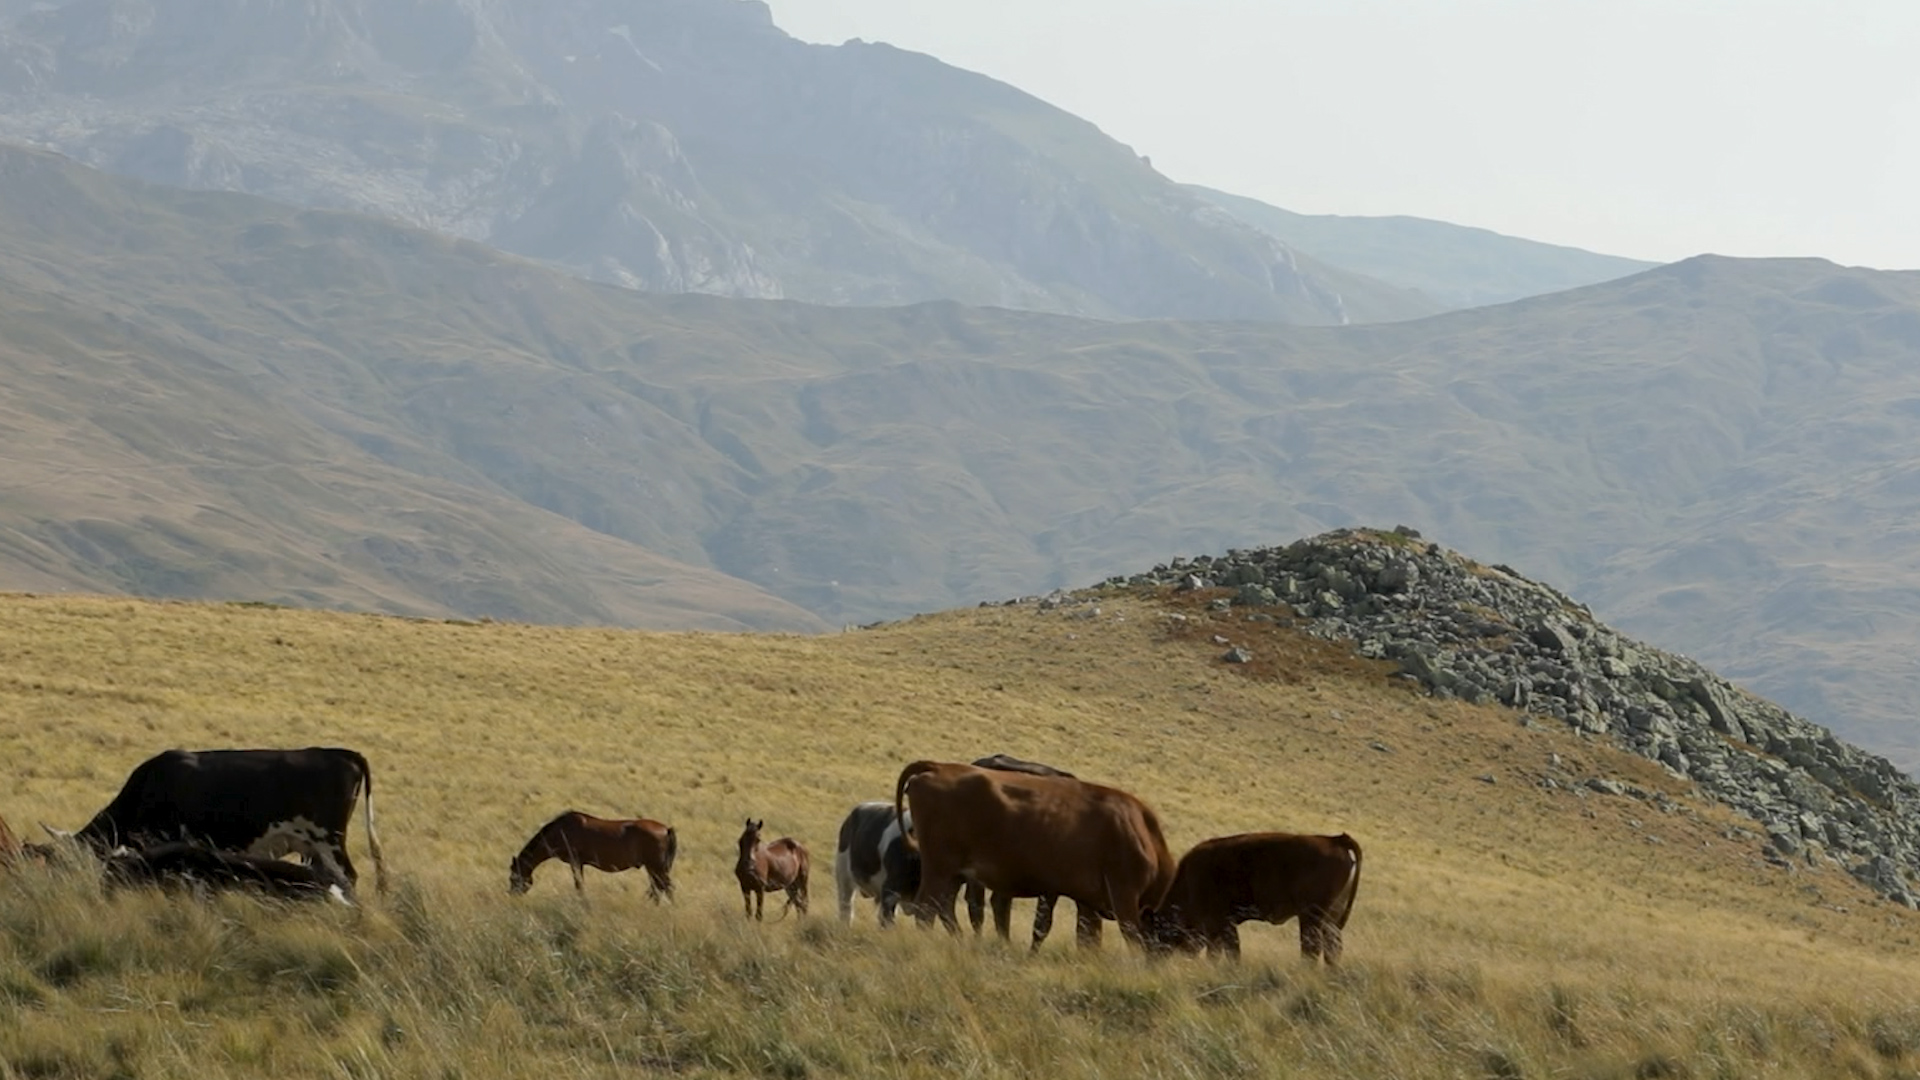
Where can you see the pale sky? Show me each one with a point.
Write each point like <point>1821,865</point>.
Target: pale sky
<point>1656,129</point>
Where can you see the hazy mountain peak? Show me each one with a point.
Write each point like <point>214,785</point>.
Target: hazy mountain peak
<point>662,144</point>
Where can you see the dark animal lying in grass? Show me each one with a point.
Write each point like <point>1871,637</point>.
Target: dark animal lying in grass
<point>180,863</point>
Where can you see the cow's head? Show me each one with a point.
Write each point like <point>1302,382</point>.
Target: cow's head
<point>1162,930</point>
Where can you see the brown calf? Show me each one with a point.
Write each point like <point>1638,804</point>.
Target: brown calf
<point>609,845</point>
<point>1274,877</point>
<point>1025,835</point>
<point>763,868</point>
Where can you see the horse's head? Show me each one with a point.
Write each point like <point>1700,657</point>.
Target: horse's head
<point>750,835</point>
<point>749,844</point>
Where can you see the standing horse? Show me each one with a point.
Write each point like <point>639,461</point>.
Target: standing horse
<point>764,868</point>
<point>606,844</point>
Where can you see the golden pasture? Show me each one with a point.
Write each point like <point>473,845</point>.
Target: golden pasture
<point>1503,928</point>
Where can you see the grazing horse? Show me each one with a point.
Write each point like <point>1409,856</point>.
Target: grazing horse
<point>609,845</point>
<point>764,868</point>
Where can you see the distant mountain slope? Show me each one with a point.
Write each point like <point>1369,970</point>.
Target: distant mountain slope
<point>668,145</point>
<point>1456,265</point>
<point>210,395</point>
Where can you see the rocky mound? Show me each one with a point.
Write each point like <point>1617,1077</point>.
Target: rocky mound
<point>1486,634</point>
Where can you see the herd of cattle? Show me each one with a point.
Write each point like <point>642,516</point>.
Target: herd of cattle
<point>999,826</point>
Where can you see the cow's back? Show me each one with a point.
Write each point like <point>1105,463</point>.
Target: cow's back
<point>223,796</point>
<point>1273,874</point>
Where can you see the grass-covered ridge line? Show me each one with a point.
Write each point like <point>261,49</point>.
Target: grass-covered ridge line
<point>1502,929</point>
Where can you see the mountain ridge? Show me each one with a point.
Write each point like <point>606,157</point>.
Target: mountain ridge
<point>1710,453</point>
<point>1460,266</point>
<point>668,146</point>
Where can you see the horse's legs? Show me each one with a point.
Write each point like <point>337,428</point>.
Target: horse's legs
<point>760,905</point>
<point>579,878</point>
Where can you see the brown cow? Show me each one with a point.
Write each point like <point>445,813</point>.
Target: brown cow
<point>1024,835</point>
<point>606,844</point>
<point>763,868</point>
<point>1229,880</point>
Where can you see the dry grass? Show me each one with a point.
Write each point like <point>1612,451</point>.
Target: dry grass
<point>1503,929</point>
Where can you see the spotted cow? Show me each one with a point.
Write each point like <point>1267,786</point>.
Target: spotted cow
<point>266,803</point>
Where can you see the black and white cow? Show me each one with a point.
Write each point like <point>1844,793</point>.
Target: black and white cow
<point>873,861</point>
<point>186,864</point>
<point>266,803</point>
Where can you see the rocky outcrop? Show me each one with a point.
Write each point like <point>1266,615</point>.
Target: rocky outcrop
<point>1486,634</point>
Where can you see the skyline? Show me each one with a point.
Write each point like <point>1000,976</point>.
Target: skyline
<point>1655,131</point>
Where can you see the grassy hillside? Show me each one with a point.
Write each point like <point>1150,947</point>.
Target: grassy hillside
<point>1456,265</point>
<point>1503,928</point>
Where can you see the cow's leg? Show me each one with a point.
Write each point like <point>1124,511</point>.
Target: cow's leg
<point>1086,926</point>
<point>336,849</point>
<point>889,902</point>
<point>1002,904</point>
<point>1224,939</point>
<point>1126,912</point>
<point>1042,920</point>
<point>843,885</point>
<point>938,888</point>
<point>1319,938</point>
<point>976,904</point>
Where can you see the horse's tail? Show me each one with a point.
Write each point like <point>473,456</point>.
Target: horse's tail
<point>899,794</point>
<point>373,838</point>
<point>1343,903</point>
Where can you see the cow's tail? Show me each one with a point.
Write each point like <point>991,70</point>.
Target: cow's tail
<point>373,837</point>
<point>899,794</point>
<point>673,849</point>
<point>1343,904</point>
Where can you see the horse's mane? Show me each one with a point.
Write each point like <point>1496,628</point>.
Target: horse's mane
<point>540,834</point>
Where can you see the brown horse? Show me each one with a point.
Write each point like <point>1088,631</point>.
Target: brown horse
<point>764,868</point>
<point>606,844</point>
